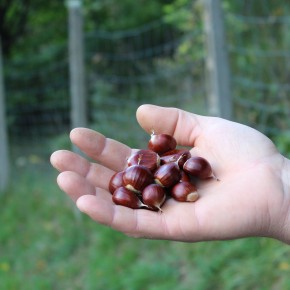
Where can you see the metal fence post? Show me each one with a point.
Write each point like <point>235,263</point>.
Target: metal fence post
<point>76,64</point>
<point>4,155</point>
<point>217,63</point>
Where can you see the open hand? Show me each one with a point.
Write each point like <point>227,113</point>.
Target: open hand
<point>251,198</point>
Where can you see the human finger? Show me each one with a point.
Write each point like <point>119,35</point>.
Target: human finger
<point>98,175</point>
<point>136,223</point>
<point>98,204</point>
<point>109,152</point>
<point>184,126</point>
<point>141,223</point>
<point>64,160</point>
<point>75,185</point>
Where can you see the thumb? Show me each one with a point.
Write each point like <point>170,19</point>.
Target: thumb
<point>185,127</point>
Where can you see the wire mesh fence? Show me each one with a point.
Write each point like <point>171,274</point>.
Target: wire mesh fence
<point>148,64</point>
<point>154,63</point>
<point>261,70</point>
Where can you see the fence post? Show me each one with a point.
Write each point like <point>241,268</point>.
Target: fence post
<point>4,155</point>
<point>217,63</point>
<point>77,66</point>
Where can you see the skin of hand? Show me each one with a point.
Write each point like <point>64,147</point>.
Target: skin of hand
<point>251,199</point>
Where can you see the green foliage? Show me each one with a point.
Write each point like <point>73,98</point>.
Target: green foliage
<point>61,141</point>
<point>109,15</point>
<point>258,41</point>
<point>140,52</point>
<point>282,141</point>
<point>24,23</point>
<point>36,65</point>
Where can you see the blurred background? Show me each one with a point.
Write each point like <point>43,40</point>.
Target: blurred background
<point>92,63</point>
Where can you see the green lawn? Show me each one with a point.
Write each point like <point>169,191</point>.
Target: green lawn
<point>45,243</point>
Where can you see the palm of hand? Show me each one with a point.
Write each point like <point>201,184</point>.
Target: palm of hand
<point>241,204</point>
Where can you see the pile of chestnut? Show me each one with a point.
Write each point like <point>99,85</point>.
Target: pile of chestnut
<point>162,171</point>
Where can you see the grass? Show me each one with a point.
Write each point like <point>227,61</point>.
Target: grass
<point>47,244</point>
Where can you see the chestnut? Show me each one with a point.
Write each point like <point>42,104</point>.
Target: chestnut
<point>116,181</point>
<point>184,191</point>
<point>174,155</point>
<point>126,197</point>
<point>184,176</point>
<point>154,196</point>
<point>167,175</point>
<point>137,177</point>
<point>161,143</point>
<point>158,172</point>
<point>147,158</point>
<point>198,167</point>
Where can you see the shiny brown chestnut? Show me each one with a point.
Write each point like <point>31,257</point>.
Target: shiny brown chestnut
<point>116,181</point>
<point>137,177</point>
<point>168,174</point>
<point>174,155</point>
<point>198,167</point>
<point>126,197</point>
<point>154,196</point>
<point>161,143</point>
<point>184,191</point>
<point>145,157</point>
<point>184,176</point>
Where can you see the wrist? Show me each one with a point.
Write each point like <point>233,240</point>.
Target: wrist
<point>285,179</point>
